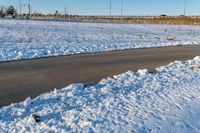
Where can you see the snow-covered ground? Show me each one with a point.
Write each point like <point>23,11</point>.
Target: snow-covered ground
<point>164,101</point>
<point>25,39</point>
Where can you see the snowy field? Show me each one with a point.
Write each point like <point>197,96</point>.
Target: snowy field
<point>164,101</point>
<point>26,39</point>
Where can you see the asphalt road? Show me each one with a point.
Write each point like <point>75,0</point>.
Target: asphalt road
<point>21,79</point>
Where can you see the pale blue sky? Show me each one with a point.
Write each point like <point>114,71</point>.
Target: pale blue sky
<point>101,7</point>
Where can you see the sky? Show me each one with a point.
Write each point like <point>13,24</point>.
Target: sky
<point>101,7</point>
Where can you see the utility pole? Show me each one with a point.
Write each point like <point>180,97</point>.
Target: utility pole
<point>65,13</point>
<point>185,8</point>
<point>121,8</point>
<point>29,7</point>
<point>110,11</point>
<point>20,7</point>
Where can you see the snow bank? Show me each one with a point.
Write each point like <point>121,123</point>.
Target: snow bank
<point>26,39</point>
<point>165,101</point>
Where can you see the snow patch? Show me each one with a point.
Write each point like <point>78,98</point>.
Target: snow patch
<point>27,102</point>
<point>142,71</point>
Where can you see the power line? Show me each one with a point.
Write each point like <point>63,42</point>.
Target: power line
<point>110,8</point>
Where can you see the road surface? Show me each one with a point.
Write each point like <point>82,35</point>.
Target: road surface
<point>21,79</point>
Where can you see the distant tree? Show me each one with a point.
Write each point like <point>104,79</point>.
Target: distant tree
<point>1,11</point>
<point>11,10</point>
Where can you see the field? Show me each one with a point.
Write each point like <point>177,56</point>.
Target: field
<point>26,39</point>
